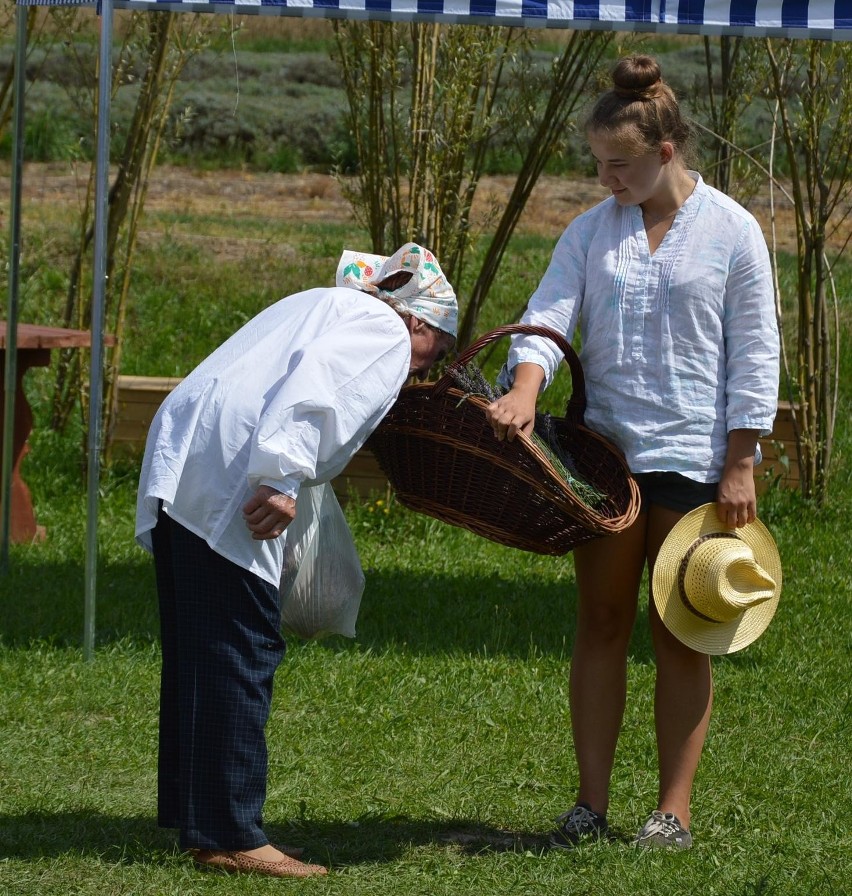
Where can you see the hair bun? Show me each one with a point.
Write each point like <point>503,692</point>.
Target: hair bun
<point>637,78</point>
<point>640,111</point>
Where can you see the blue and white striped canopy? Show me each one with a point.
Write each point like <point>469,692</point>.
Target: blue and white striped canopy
<point>821,19</point>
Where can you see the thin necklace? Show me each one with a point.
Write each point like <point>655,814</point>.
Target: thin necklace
<point>652,222</point>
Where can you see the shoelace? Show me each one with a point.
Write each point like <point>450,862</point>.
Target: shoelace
<point>578,819</point>
<point>662,823</point>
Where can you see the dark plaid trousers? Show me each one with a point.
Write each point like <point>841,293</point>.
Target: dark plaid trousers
<point>221,644</point>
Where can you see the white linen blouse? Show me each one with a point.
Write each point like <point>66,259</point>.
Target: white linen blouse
<point>288,399</point>
<point>679,347</point>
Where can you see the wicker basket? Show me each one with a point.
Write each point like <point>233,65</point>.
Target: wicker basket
<point>442,459</point>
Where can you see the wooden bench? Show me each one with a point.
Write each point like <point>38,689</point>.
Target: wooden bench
<point>139,397</point>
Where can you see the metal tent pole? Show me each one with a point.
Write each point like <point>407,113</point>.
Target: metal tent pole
<point>11,366</point>
<point>98,302</point>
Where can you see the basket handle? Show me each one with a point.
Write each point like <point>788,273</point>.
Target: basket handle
<point>576,404</point>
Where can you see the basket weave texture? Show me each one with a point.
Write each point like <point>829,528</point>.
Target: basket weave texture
<point>442,458</point>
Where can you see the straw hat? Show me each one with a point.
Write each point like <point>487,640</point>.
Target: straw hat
<point>716,589</point>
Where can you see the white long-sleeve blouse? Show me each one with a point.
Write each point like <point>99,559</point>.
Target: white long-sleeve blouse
<point>289,398</point>
<point>679,347</point>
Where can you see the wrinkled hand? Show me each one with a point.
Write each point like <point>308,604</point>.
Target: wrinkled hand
<point>268,513</point>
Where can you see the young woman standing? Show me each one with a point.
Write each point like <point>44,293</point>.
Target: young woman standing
<point>669,282</point>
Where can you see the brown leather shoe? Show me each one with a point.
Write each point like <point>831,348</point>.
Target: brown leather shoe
<point>241,863</point>
<point>295,852</point>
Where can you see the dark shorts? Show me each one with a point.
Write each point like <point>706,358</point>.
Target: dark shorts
<point>674,491</point>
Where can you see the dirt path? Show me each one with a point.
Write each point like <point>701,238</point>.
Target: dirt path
<point>303,197</point>
<point>317,197</point>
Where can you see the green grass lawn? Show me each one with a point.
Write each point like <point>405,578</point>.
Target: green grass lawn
<point>431,754</point>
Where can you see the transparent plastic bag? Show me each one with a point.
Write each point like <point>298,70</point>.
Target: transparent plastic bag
<point>322,580</point>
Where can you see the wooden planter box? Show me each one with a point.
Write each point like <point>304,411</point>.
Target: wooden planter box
<point>780,453</point>
<point>137,400</point>
<point>139,397</point>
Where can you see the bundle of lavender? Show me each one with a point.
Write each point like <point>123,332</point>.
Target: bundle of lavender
<point>472,381</point>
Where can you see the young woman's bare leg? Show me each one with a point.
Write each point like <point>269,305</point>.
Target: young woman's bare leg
<point>683,696</point>
<point>608,571</point>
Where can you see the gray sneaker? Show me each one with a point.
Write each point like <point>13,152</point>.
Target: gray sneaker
<point>663,830</point>
<point>579,823</point>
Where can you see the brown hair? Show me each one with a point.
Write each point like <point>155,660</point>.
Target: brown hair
<point>640,112</point>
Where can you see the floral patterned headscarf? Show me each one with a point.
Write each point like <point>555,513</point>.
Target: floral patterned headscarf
<point>427,295</point>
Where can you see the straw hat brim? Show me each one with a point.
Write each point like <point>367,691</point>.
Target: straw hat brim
<point>702,635</point>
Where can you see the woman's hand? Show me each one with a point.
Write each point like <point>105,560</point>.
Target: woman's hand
<point>510,414</point>
<point>737,497</point>
<point>268,513</point>
<point>515,411</point>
